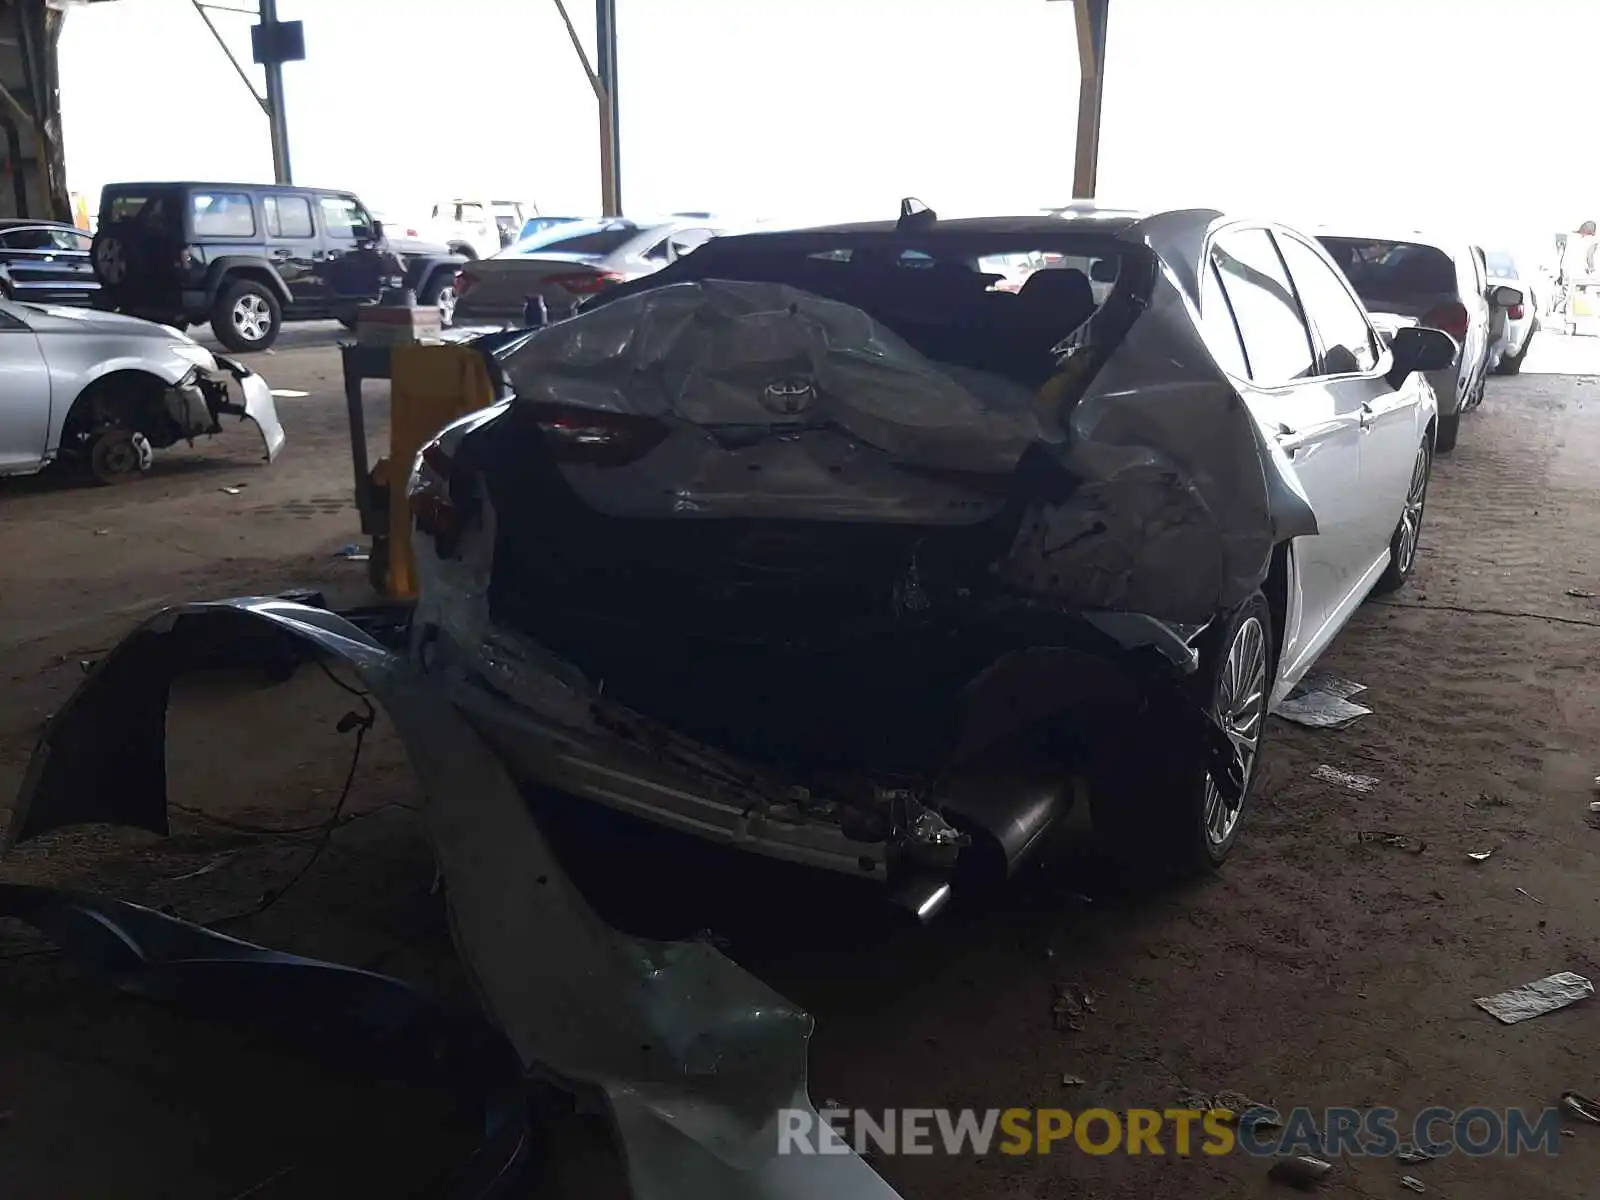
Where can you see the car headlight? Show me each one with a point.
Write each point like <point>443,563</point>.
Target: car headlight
<point>193,352</point>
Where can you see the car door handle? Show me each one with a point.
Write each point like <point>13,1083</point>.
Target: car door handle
<point>279,252</point>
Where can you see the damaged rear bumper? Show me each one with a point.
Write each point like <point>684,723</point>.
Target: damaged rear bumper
<point>696,1060</point>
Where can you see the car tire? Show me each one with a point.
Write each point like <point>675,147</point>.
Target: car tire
<point>1445,435</point>
<point>246,316</point>
<point>440,292</point>
<point>1512,364</point>
<point>1162,818</point>
<point>1407,536</point>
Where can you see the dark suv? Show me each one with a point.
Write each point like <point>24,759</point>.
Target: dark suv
<point>246,257</point>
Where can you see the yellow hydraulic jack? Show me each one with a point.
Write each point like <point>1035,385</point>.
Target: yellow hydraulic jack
<point>429,386</point>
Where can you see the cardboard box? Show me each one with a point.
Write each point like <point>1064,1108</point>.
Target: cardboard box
<point>396,325</point>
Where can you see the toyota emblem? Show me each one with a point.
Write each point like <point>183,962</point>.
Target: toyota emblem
<point>787,397</point>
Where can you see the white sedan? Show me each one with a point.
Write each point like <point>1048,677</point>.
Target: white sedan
<point>102,392</point>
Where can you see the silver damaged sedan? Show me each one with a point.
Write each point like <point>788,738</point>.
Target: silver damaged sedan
<point>102,392</point>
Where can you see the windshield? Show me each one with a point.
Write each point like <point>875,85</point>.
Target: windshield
<point>1383,268</point>
<point>579,237</point>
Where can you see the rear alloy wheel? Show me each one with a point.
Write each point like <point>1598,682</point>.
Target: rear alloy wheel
<point>1408,533</point>
<point>1167,818</point>
<point>246,316</point>
<point>119,456</point>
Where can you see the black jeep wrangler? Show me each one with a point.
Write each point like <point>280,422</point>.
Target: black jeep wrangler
<point>246,257</point>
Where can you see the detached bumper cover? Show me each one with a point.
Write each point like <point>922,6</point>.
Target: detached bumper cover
<point>256,406</point>
<point>695,1057</point>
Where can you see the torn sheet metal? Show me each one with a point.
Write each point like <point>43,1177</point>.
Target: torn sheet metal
<point>1323,701</point>
<point>1183,494</point>
<point>1536,998</point>
<point>695,1057</point>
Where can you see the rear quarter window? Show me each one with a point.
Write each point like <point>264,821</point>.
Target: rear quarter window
<point>223,214</point>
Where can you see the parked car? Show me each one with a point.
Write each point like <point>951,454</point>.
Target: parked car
<point>535,225</point>
<point>101,392</point>
<point>824,545</point>
<point>248,257</point>
<point>1445,285</point>
<point>45,262</point>
<point>479,228</point>
<point>1511,326</point>
<point>568,263</point>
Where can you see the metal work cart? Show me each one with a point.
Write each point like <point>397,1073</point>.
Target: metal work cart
<point>363,363</point>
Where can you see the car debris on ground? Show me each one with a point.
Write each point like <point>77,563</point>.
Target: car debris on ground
<point>1412,1183</point>
<point>1322,701</point>
<point>1479,855</point>
<point>1537,998</point>
<point>1345,779</point>
<point>1304,1172</point>
<point>1578,1105</point>
<point>1414,1154</point>
<point>1395,841</point>
<point>1072,1006</point>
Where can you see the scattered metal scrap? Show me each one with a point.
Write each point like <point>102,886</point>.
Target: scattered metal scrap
<point>1304,1172</point>
<point>1398,841</point>
<point>1322,701</point>
<point>1413,1183</point>
<point>1354,783</point>
<point>1576,1104</point>
<point>1072,1006</point>
<point>1414,1154</point>
<point>1536,998</point>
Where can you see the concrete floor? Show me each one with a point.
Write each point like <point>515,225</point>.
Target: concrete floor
<point>1315,969</point>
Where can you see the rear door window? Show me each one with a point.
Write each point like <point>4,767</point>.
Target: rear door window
<point>223,214</point>
<point>35,238</point>
<point>1277,343</point>
<point>1348,344</point>
<point>288,216</point>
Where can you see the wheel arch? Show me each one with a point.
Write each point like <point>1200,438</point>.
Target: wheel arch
<point>227,271</point>
<point>132,389</point>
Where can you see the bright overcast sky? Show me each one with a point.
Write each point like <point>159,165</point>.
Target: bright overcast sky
<point>1466,114</point>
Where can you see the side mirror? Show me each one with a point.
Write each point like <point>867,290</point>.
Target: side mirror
<point>1506,297</point>
<point>1103,270</point>
<point>1418,348</point>
<point>377,230</point>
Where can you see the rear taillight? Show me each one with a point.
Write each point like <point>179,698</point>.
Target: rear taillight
<point>1515,312</point>
<point>434,513</point>
<point>464,283</point>
<point>588,435</point>
<point>585,283</point>
<point>1452,318</point>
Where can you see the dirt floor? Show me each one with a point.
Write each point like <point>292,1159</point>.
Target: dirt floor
<point>1317,969</point>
